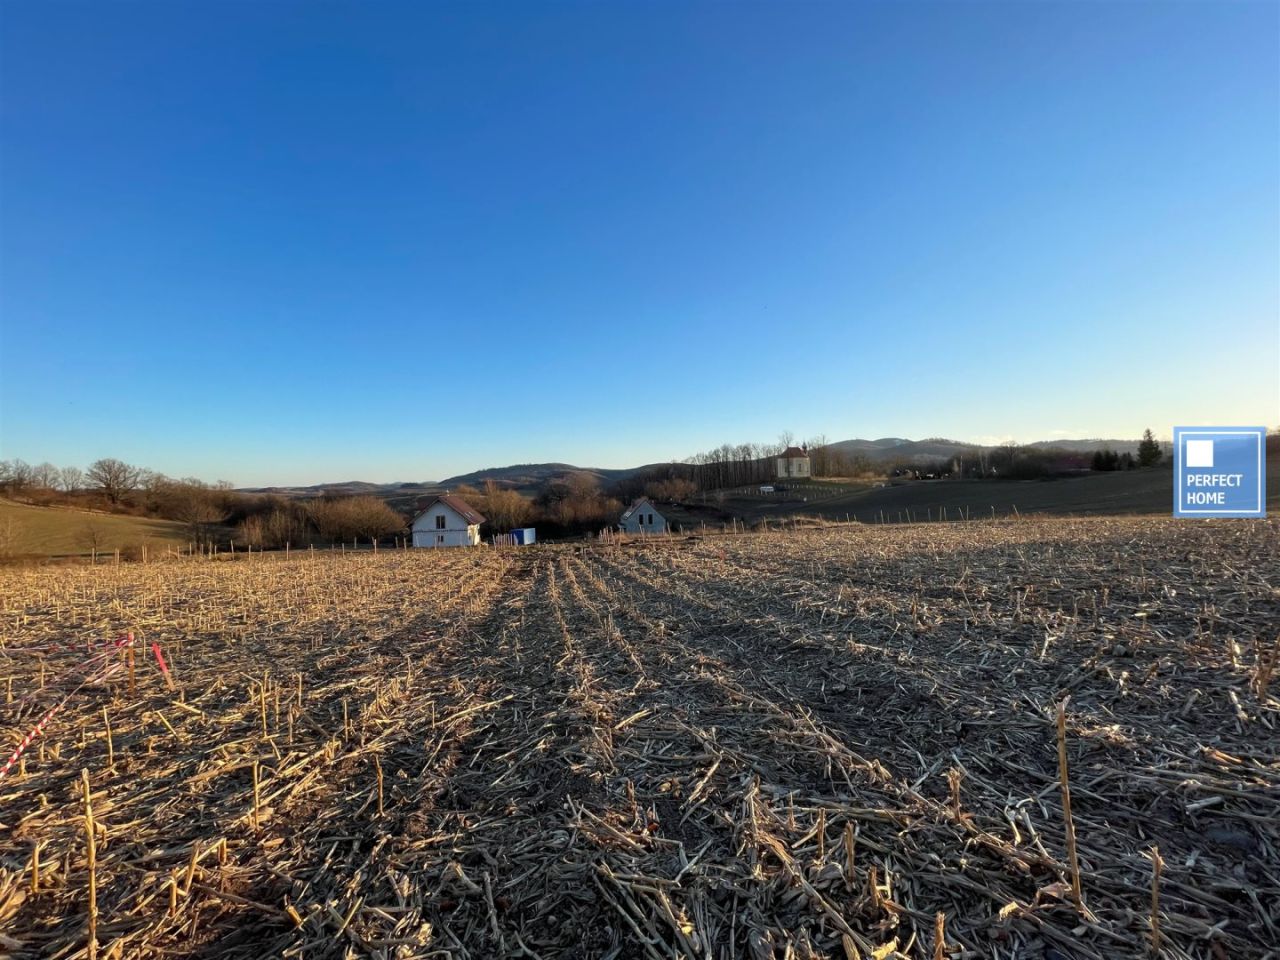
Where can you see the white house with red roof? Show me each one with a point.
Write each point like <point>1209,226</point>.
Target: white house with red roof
<point>446,521</point>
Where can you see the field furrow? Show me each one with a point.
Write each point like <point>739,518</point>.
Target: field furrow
<point>800,744</point>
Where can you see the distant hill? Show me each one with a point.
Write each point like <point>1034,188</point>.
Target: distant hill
<point>348,488</point>
<point>533,477</point>
<point>939,448</point>
<point>1088,446</point>
<point>525,476</point>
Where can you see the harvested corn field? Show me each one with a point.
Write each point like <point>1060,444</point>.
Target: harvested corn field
<point>841,742</point>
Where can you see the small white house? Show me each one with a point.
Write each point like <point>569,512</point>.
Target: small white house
<point>446,521</point>
<point>643,517</point>
<point>793,462</point>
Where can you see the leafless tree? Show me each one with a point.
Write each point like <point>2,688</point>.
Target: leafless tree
<point>10,531</point>
<point>822,460</point>
<point>92,539</point>
<point>504,508</point>
<point>113,477</point>
<point>45,475</point>
<point>156,488</point>
<point>675,489</point>
<point>196,506</point>
<point>15,474</point>
<point>583,485</point>
<point>1010,449</point>
<point>351,518</point>
<point>284,525</point>
<point>71,479</point>
<point>373,519</point>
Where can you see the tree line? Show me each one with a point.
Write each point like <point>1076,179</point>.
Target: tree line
<point>573,503</point>
<point>739,465</point>
<point>746,464</point>
<point>210,513</point>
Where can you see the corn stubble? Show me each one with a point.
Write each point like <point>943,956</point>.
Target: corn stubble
<point>832,742</point>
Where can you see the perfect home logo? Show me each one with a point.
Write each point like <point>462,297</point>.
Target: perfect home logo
<point>1219,471</point>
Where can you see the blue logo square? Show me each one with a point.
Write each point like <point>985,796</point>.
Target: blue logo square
<point>1219,471</point>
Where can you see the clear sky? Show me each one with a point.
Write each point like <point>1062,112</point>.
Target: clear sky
<point>295,242</point>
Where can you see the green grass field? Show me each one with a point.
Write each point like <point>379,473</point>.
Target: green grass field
<point>27,531</point>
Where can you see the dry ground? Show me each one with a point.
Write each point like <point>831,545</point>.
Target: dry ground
<point>779,745</point>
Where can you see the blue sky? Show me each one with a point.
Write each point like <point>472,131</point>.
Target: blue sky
<point>287,243</point>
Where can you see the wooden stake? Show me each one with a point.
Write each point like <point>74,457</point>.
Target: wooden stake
<point>91,855</point>
<point>262,704</point>
<point>255,794</point>
<point>849,847</point>
<point>35,867</point>
<point>377,766</point>
<point>191,869</point>
<point>821,831</point>
<point>1072,860</point>
<point>1157,867</point>
<point>111,751</point>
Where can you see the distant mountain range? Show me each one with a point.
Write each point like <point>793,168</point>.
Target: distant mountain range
<point>936,448</point>
<point>529,477</point>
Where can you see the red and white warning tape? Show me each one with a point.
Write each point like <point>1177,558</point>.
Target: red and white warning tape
<point>108,667</point>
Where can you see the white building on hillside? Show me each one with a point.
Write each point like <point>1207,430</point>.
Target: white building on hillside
<point>793,462</point>
<point>446,521</point>
<point>643,517</point>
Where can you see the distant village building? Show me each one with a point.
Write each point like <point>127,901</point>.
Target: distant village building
<point>793,462</point>
<point>643,517</point>
<point>446,521</point>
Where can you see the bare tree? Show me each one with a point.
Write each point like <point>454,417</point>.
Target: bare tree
<point>45,475</point>
<point>92,539</point>
<point>583,485</point>
<point>196,506</point>
<point>505,508</point>
<point>113,477</point>
<point>1010,449</point>
<point>285,524</point>
<point>350,518</point>
<point>10,532</point>
<point>71,479</point>
<point>372,519</point>
<point>15,474</point>
<point>821,459</point>
<point>156,487</point>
